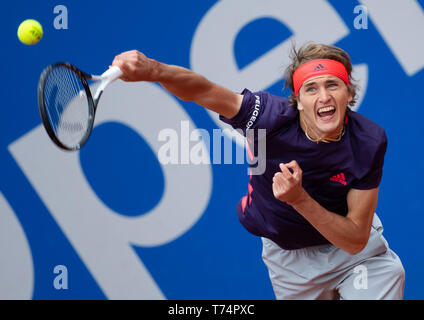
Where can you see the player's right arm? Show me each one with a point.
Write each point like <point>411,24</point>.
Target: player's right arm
<point>179,81</point>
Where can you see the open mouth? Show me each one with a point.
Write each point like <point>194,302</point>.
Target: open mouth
<point>326,112</point>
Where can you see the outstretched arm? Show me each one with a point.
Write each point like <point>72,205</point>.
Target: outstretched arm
<point>179,81</point>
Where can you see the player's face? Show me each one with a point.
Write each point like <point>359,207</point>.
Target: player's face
<point>323,100</point>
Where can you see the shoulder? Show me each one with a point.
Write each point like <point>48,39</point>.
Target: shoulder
<point>365,130</point>
<point>262,109</point>
<point>266,102</point>
<point>264,98</point>
<point>369,144</point>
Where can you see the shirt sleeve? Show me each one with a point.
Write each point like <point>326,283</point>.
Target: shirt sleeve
<point>261,110</point>
<point>373,178</point>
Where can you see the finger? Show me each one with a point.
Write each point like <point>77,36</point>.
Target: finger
<point>125,68</point>
<point>278,189</point>
<point>276,178</point>
<point>279,176</point>
<point>121,59</point>
<point>117,62</point>
<point>286,172</point>
<point>297,171</point>
<point>282,165</point>
<point>280,181</point>
<point>124,54</point>
<point>275,190</point>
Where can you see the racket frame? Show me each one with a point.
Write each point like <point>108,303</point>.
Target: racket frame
<point>106,78</point>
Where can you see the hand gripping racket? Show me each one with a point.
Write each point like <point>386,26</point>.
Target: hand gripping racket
<point>67,105</point>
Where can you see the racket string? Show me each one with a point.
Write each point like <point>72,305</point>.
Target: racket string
<point>67,106</point>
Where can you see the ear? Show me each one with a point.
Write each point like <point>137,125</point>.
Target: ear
<point>299,105</point>
<point>350,98</point>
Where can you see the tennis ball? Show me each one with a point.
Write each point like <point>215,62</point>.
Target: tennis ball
<point>30,31</point>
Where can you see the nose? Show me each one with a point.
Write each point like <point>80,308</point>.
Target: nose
<point>324,97</point>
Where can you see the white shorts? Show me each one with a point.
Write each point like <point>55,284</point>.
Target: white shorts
<point>327,272</point>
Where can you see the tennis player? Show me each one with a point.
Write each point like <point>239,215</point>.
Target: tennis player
<point>314,207</point>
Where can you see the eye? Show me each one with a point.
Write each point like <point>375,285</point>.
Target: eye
<point>333,85</point>
<point>310,89</point>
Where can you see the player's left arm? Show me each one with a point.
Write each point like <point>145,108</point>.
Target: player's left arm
<point>349,233</point>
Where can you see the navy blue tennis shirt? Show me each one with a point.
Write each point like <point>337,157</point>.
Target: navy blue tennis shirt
<point>330,170</point>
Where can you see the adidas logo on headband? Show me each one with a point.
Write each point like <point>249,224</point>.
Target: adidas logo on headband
<point>320,67</point>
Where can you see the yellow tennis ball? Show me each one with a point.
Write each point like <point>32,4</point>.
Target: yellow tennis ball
<point>30,32</point>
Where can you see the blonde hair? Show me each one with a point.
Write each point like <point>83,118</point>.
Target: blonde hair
<point>311,51</point>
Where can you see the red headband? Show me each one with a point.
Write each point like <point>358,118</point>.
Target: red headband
<point>318,67</point>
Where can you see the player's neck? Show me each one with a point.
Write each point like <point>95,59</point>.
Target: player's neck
<point>314,136</point>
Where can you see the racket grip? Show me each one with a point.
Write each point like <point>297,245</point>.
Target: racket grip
<point>112,74</point>
<point>106,78</point>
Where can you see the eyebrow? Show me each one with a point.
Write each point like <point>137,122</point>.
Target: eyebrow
<point>314,83</point>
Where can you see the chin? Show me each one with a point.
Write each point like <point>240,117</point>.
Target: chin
<point>329,128</point>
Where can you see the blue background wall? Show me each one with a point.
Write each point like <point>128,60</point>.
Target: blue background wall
<point>210,255</point>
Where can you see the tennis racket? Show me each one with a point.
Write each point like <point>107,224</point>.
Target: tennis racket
<point>67,104</point>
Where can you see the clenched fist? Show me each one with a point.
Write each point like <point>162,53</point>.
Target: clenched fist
<point>135,66</point>
<point>287,186</point>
